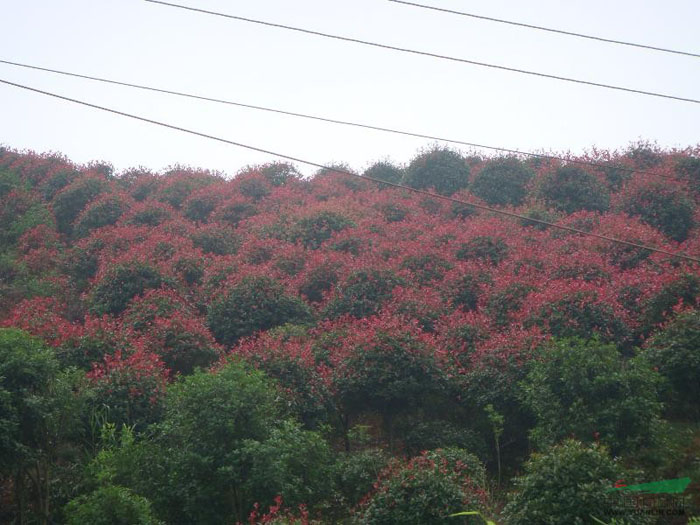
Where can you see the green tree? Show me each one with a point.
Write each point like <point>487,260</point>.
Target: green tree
<point>669,209</point>
<point>440,168</point>
<point>257,303</point>
<point>121,284</point>
<point>675,352</point>
<point>564,486</point>
<point>571,189</point>
<point>39,414</point>
<point>584,388</point>
<point>110,505</point>
<point>502,181</point>
<point>225,445</point>
<point>426,489</point>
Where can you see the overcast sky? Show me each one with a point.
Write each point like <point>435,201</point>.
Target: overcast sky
<point>135,41</point>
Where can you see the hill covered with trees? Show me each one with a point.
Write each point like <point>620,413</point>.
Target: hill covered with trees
<point>189,348</point>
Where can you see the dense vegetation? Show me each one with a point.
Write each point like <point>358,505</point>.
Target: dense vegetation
<point>188,348</point>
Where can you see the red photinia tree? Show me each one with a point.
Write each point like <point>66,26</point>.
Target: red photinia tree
<point>183,343</point>
<point>41,316</point>
<point>130,386</point>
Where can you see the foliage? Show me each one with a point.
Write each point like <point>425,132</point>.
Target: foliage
<point>71,200</point>
<point>483,247</point>
<point>256,303</point>
<point>571,189</point>
<point>583,389</point>
<point>667,208</point>
<point>442,169</point>
<point>384,171</point>
<point>363,293</point>
<point>314,230</point>
<point>236,452</point>
<point>110,505</point>
<point>121,284</point>
<point>675,353</point>
<point>502,181</point>
<point>564,486</point>
<point>426,489</point>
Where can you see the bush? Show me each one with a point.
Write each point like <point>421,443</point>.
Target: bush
<point>102,212</point>
<point>666,208</point>
<point>70,201</point>
<point>564,486</point>
<point>384,171</point>
<point>675,352</point>
<point>659,308</point>
<point>257,303</point>
<point>225,447</point>
<point>319,280</point>
<point>483,247</point>
<point>279,173</point>
<point>130,387</point>
<point>110,505</point>
<point>314,230</point>
<point>580,315</point>
<point>363,293</point>
<point>502,181</point>
<point>570,189</point>
<point>689,169</point>
<point>426,489</point>
<point>426,268</point>
<point>217,240</point>
<point>442,169</point>
<point>356,472</point>
<point>121,284</point>
<point>584,389</point>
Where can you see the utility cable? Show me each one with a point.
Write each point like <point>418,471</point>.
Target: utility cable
<point>341,122</point>
<point>429,54</point>
<point>549,29</point>
<point>340,170</point>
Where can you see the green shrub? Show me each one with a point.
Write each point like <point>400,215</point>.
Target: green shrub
<point>110,505</point>
<point>483,247</point>
<point>426,268</point>
<point>225,446</point>
<point>356,472</point>
<point>442,169</point>
<point>70,201</point>
<point>384,171</point>
<point>584,389</point>
<point>658,308</point>
<point>564,486</point>
<point>502,181</point>
<point>314,230</point>
<point>689,169</point>
<point>426,489</point>
<point>570,189</point>
<point>363,293</point>
<point>257,303</point>
<point>318,281</point>
<point>666,208</point>
<point>102,212</point>
<point>279,173</point>
<point>218,240</point>
<point>121,284</point>
<point>675,352</point>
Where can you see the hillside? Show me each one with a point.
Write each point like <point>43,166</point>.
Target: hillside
<point>386,323</point>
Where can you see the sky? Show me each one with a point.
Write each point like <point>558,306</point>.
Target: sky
<point>139,42</point>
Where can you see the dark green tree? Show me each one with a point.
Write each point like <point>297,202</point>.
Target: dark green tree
<point>502,181</point>
<point>256,304</point>
<point>442,169</point>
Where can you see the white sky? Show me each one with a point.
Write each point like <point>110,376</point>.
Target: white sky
<point>135,41</point>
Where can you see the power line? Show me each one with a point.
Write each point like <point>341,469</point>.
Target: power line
<point>337,121</point>
<point>433,55</point>
<point>549,29</point>
<point>340,170</point>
